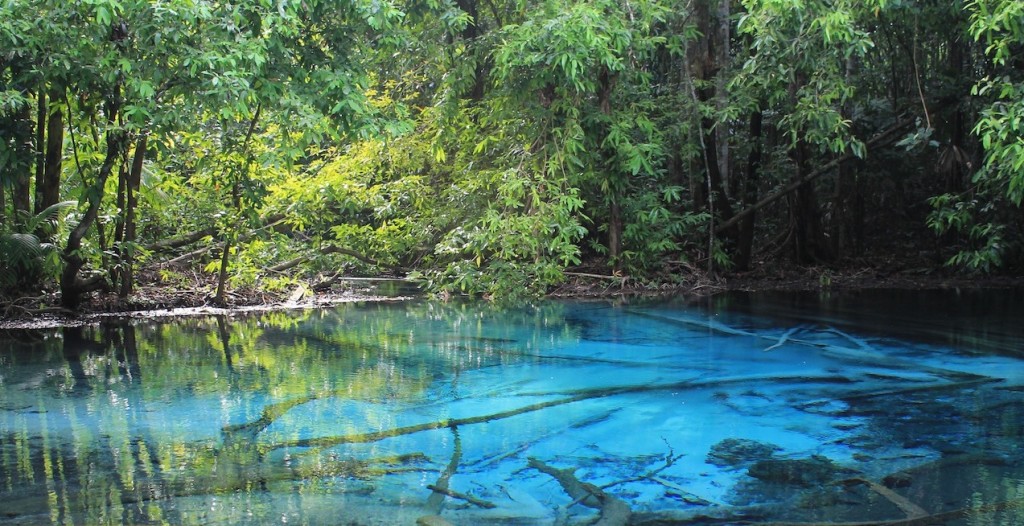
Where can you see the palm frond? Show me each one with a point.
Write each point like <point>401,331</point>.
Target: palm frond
<point>19,250</point>
<point>47,215</point>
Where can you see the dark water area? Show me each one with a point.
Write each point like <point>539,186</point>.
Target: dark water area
<point>877,407</point>
<point>985,320</point>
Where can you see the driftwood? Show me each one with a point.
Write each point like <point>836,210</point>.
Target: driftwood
<point>863,350</point>
<point>614,511</point>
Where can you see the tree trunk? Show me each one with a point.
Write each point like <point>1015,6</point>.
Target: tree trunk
<point>48,186</point>
<point>719,199</point>
<point>745,231</point>
<point>843,218</point>
<point>606,84</point>
<point>133,184</point>
<point>41,113</point>
<point>722,47</point>
<point>222,276</point>
<point>880,140</point>
<point>115,269</point>
<point>231,233</point>
<point>805,219</point>
<point>704,61</point>
<point>21,197</point>
<point>615,234</point>
<point>469,36</point>
<point>70,286</point>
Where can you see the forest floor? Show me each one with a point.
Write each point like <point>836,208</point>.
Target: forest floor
<point>154,298</point>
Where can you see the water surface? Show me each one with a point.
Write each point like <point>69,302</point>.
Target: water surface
<point>742,408</point>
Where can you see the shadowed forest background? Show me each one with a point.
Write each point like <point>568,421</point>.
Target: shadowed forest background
<point>489,146</point>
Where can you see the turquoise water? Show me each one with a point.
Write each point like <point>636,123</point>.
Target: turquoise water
<point>739,409</point>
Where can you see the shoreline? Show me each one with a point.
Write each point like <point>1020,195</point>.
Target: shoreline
<point>162,303</point>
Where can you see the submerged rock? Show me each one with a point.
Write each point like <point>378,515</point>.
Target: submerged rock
<point>432,520</point>
<point>806,472</point>
<point>740,452</point>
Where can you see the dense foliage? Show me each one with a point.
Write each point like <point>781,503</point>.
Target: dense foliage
<point>490,147</point>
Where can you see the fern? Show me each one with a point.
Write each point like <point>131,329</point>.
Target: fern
<point>25,259</point>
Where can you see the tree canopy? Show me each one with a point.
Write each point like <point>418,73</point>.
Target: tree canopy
<point>489,148</point>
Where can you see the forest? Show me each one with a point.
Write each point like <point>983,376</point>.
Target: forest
<point>497,148</point>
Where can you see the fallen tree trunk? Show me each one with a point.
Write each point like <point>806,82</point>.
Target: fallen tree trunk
<point>887,136</point>
<point>181,241</point>
<point>330,249</point>
<point>193,237</point>
<point>614,511</point>
<point>271,225</point>
<point>569,397</point>
<point>439,489</point>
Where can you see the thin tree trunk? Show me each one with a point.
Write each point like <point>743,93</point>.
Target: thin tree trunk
<point>122,186</point>
<point>236,197</point>
<point>41,113</point>
<point>721,49</point>
<point>805,220</point>
<point>606,84</point>
<point>703,60</point>
<point>178,242</point>
<point>888,136</point>
<point>134,183</point>
<point>115,269</point>
<point>21,196</point>
<point>719,196</point>
<point>745,232</point>
<point>615,234</point>
<point>469,36</point>
<point>48,189</point>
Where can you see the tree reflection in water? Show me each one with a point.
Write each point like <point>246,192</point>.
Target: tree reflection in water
<point>386,413</point>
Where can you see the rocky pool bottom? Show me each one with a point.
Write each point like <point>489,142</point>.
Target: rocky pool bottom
<point>563,413</point>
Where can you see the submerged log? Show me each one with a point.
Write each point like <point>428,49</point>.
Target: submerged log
<point>462,496</point>
<point>569,397</point>
<point>439,489</point>
<point>614,511</point>
<point>911,510</point>
<point>784,338</point>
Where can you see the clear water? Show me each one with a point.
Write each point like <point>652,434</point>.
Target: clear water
<point>742,408</point>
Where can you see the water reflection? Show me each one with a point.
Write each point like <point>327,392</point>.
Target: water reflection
<point>742,410</point>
